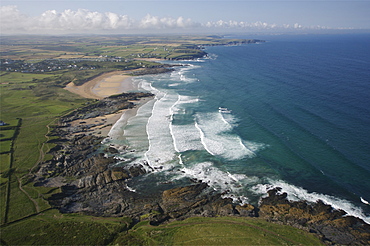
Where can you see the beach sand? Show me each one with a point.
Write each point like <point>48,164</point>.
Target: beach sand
<point>103,86</point>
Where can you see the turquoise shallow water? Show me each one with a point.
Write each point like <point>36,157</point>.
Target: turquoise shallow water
<point>295,113</point>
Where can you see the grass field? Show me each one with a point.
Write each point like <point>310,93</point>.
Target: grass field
<point>129,47</point>
<point>53,228</point>
<point>33,99</point>
<point>216,231</point>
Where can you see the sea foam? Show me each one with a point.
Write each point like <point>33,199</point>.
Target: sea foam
<point>185,136</point>
<point>231,185</point>
<point>296,193</point>
<point>218,138</point>
<point>180,76</point>
<point>161,150</point>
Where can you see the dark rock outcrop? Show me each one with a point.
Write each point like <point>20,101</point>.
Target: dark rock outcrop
<point>330,224</point>
<point>157,70</point>
<point>108,105</point>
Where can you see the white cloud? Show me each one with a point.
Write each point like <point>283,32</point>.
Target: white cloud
<point>155,22</point>
<point>86,21</point>
<point>81,20</point>
<point>12,20</point>
<point>255,25</point>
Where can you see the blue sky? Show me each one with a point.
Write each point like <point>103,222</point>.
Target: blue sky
<point>124,16</point>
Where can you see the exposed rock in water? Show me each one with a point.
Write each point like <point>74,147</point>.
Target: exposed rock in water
<point>330,224</point>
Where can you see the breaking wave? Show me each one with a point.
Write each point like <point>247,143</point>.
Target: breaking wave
<point>297,193</point>
<point>218,139</point>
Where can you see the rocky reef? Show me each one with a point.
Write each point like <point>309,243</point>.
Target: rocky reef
<point>91,183</point>
<point>332,226</point>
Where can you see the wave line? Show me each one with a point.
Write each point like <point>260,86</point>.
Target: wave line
<point>202,137</point>
<point>171,126</point>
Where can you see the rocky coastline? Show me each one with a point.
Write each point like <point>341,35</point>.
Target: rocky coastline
<point>90,183</point>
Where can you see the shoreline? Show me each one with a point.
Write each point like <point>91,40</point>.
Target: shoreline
<point>105,85</point>
<point>128,114</point>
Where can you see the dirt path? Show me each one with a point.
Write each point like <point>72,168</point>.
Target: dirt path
<point>35,203</point>
<point>42,153</point>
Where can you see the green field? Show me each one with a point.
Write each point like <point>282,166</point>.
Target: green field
<point>51,228</point>
<point>37,107</point>
<point>216,231</point>
<point>35,48</point>
<point>32,102</point>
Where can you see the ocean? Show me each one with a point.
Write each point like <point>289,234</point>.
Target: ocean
<point>292,112</point>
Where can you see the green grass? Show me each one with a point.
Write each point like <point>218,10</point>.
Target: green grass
<point>29,141</point>
<point>5,146</point>
<point>38,106</point>
<point>53,228</point>
<point>14,77</point>
<point>4,162</point>
<point>5,134</point>
<point>2,205</point>
<point>40,194</point>
<point>217,231</point>
<point>20,205</point>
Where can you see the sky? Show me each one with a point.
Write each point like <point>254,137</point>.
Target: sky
<point>180,16</point>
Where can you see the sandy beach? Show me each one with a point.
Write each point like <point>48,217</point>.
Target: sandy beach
<point>103,86</point>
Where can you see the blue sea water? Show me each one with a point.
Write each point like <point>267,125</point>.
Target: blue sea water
<point>296,115</point>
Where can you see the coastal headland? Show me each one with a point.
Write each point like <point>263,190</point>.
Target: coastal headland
<point>76,191</point>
